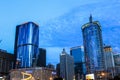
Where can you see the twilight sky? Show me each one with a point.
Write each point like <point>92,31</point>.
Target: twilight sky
<point>60,22</point>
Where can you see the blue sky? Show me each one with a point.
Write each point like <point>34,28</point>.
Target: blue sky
<point>60,22</point>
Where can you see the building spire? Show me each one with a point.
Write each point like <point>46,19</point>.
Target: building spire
<point>90,18</point>
<point>63,51</point>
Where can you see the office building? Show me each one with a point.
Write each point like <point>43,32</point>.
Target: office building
<point>58,70</point>
<point>26,45</point>
<point>6,62</point>
<point>79,62</point>
<point>93,46</point>
<point>109,61</point>
<point>41,61</point>
<point>66,66</point>
<point>117,63</point>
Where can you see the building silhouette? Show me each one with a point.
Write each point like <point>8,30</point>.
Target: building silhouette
<point>66,66</point>
<point>79,62</point>
<point>26,45</point>
<point>58,70</point>
<point>51,66</point>
<point>41,61</point>
<point>6,62</point>
<point>93,46</point>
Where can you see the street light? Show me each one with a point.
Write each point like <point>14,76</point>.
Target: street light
<point>103,74</point>
<point>51,78</point>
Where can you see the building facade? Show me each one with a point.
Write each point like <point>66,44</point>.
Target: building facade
<point>58,70</point>
<point>79,61</point>
<point>37,73</point>
<point>41,61</point>
<point>66,66</point>
<point>93,46</point>
<point>117,63</point>
<point>109,61</point>
<point>6,62</point>
<point>26,45</point>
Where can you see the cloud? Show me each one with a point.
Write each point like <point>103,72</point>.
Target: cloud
<point>66,29</point>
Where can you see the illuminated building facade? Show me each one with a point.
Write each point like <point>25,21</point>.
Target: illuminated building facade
<point>66,66</point>
<point>93,46</point>
<point>37,73</point>
<point>79,61</point>
<point>26,45</point>
<point>109,60</point>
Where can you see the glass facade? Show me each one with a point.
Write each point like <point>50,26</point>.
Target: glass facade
<point>93,46</point>
<point>79,62</point>
<point>27,43</point>
<point>78,54</point>
<point>108,55</point>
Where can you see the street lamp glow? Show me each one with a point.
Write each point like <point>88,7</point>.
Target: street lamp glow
<point>51,78</point>
<point>102,74</point>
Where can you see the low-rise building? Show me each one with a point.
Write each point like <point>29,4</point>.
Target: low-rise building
<point>37,73</point>
<point>6,62</point>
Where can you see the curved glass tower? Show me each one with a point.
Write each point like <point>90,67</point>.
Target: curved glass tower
<point>26,44</point>
<point>93,46</point>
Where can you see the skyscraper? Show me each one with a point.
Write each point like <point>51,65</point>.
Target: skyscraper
<point>41,61</point>
<point>117,63</point>
<point>26,45</point>
<point>58,69</point>
<point>109,60</point>
<point>66,66</point>
<point>93,46</point>
<point>79,61</point>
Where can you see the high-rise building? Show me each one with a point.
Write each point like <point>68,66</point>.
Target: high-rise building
<point>41,61</point>
<point>79,62</point>
<point>66,66</point>
<point>93,46</point>
<point>117,63</point>
<point>58,69</point>
<point>26,44</point>
<point>109,60</point>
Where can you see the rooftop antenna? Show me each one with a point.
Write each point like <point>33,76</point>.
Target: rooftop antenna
<point>0,41</point>
<point>90,18</point>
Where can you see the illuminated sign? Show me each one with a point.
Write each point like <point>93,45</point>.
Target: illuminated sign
<point>27,74</point>
<point>90,76</point>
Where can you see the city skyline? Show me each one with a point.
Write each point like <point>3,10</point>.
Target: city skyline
<point>54,19</point>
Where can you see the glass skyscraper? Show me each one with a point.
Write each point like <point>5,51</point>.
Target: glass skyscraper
<point>79,62</point>
<point>93,46</point>
<point>26,44</point>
